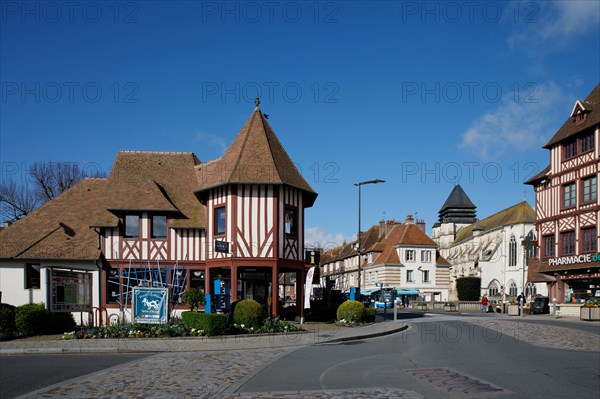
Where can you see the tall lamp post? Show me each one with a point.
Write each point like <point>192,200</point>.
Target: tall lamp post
<point>362,183</point>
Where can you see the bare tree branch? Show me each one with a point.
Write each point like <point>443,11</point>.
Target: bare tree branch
<point>16,201</point>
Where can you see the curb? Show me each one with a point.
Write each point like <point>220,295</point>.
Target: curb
<point>365,336</point>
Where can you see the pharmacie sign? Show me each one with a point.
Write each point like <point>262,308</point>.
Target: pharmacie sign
<point>571,260</point>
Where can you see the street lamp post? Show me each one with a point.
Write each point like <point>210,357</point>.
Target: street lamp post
<point>362,183</point>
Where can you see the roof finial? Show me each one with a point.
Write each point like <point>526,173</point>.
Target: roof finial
<point>257,100</point>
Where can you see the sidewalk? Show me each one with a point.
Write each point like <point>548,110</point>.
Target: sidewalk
<point>315,333</point>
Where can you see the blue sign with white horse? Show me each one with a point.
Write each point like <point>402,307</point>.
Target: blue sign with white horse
<point>150,305</point>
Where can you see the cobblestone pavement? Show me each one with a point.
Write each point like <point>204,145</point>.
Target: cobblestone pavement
<point>544,335</point>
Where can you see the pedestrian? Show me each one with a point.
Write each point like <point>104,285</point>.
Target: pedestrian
<point>484,303</point>
<point>520,298</point>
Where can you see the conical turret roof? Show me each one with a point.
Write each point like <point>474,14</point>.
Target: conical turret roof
<point>458,208</point>
<point>255,156</point>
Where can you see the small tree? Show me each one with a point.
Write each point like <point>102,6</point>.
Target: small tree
<point>193,297</point>
<point>468,288</point>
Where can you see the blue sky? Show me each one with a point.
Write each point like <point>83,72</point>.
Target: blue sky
<point>420,94</point>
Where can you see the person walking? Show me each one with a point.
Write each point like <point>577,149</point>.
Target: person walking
<point>484,304</point>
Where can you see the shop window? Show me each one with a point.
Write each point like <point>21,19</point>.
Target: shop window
<point>159,226</point>
<point>568,243</point>
<point>590,189</point>
<point>178,281</point>
<point>590,241</point>
<point>220,221</point>
<point>290,217</point>
<point>132,226</point>
<point>112,286</point>
<point>569,195</point>
<point>549,246</point>
<point>32,276</point>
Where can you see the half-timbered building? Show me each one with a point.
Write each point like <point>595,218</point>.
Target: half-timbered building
<point>232,227</point>
<point>567,207</point>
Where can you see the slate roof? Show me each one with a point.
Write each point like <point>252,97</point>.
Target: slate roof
<point>256,156</point>
<point>519,213</point>
<point>59,229</point>
<point>458,199</point>
<point>570,129</point>
<point>540,176</point>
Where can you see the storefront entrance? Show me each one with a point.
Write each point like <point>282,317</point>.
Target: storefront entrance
<point>255,283</point>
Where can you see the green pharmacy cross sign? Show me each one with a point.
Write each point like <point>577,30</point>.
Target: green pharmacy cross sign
<point>150,305</point>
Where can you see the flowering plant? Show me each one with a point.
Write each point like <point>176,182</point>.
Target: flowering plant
<point>592,303</point>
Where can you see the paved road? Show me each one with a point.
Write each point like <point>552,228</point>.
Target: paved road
<point>444,356</point>
<point>438,356</point>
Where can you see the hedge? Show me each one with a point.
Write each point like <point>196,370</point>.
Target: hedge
<point>351,311</point>
<point>370,314</point>
<point>7,321</point>
<point>211,323</point>
<point>468,288</point>
<point>31,319</point>
<point>248,312</point>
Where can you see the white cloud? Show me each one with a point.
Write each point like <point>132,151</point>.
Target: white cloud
<point>516,125</point>
<point>213,140</point>
<point>553,24</point>
<point>321,238</point>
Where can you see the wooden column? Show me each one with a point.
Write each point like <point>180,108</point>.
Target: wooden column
<point>274,290</point>
<point>234,279</point>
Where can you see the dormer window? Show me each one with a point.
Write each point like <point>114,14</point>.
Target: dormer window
<point>580,118</point>
<point>159,226</point>
<point>132,226</point>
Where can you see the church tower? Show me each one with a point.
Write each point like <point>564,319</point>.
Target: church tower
<point>457,212</point>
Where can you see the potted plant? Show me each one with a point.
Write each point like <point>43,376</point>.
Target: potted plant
<point>449,307</point>
<point>194,298</point>
<point>422,305</point>
<point>590,309</point>
<point>513,308</point>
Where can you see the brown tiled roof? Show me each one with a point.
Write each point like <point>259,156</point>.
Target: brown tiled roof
<point>540,176</point>
<point>569,128</point>
<point>155,181</point>
<point>401,234</point>
<point>60,228</point>
<point>255,156</point>
<point>440,260</point>
<point>519,213</point>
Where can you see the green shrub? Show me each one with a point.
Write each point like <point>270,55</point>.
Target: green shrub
<point>370,314</point>
<point>351,311</point>
<point>60,322</point>
<point>211,323</point>
<point>7,321</point>
<point>31,319</point>
<point>468,288</point>
<point>248,312</point>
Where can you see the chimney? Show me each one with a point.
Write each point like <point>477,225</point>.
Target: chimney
<point>421,225</point>
<point>409,219</point>
<point>381,227</point>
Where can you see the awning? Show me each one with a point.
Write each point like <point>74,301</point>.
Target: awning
<point>369,292</point>
<point>407,292</point>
